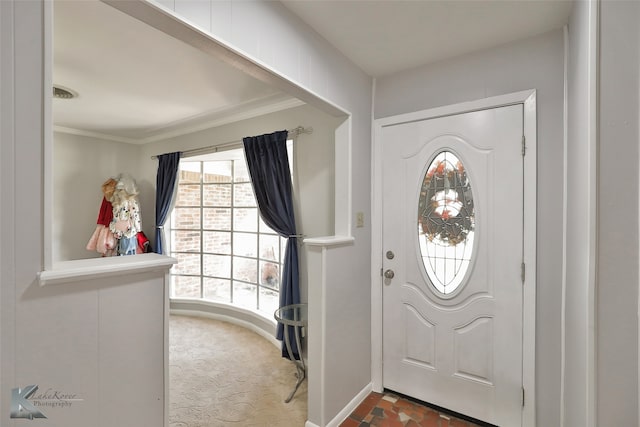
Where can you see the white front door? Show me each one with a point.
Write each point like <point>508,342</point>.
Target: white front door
<point>452,244</point>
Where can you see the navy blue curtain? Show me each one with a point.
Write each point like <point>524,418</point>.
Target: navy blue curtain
<point>268,166</point>
<point>165,185</point>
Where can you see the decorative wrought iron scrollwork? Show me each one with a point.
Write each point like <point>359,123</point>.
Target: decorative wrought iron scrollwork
<point>445,206</point>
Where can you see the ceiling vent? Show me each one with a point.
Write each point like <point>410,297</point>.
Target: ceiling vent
<point>63,93</point>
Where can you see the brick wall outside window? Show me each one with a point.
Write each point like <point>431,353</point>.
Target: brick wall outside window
<point>213,213</point>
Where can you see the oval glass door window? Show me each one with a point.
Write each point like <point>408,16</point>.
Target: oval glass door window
<point>446,222</point>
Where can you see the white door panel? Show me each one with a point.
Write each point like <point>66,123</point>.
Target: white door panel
<point>461,350</point>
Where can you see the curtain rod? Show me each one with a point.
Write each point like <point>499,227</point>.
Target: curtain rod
<point>215,148</point>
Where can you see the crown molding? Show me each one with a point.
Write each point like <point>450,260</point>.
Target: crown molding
<point>187,126</point>
<point>91,134</point>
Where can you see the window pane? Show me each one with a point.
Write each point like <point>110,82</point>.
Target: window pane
<point>216,219</point>
<point>218,171</point>
<point>245,295</point>
<point>245,244</point>
<point>270,247</point>
<point>270,274</point>
<point>188,195</point>
<point>245,219</point>
<point>217,195</point>
<point>185,287</point>
<point>189,172</point>
<point>243,195</point>
<point>186,218</point>
<point>185,241</point>
<point>283,247</point>
<point>269,301</point>
<point>187,264</point>
<point>217,214</point>
<point>217,265</point>
<point>245,269</point>
<point>217,290</point>
<point>241,171</point>
<point>217,242</point>
<point>264,228</point>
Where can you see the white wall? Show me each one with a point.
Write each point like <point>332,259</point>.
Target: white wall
<point>74,337</point>
<point>21,192</point>
<point>313,163</point>
<point>579,217</point>
<point>20,73</point>
<point>617,256</point>
<point>80,166</point>
<point>68,338</point>
<point>534,63</point>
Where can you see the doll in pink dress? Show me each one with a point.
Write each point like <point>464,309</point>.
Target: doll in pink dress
<point>103,240</point>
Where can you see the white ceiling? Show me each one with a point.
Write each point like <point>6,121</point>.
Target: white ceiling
<point>137,84</point>
<point>386,36</point>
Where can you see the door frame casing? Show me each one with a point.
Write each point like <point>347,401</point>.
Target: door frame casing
<point>528,99</point>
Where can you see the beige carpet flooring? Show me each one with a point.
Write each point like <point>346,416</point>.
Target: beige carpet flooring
<point>225,375</point>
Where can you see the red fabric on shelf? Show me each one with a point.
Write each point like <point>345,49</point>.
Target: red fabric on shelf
<point>106,213</point>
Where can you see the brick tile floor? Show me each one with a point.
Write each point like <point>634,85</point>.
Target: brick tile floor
<point>389,410</point>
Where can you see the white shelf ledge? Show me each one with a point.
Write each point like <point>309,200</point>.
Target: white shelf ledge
<point>94,268</point>
<point>329,241</point>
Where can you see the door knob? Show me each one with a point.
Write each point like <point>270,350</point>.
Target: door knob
<point>389,274</point>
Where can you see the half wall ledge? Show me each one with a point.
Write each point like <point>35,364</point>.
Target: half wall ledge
<point>329,241</point>
<point>93,268</point>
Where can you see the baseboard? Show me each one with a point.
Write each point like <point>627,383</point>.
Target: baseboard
<point>260,326</point>
<point>351,406</point>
